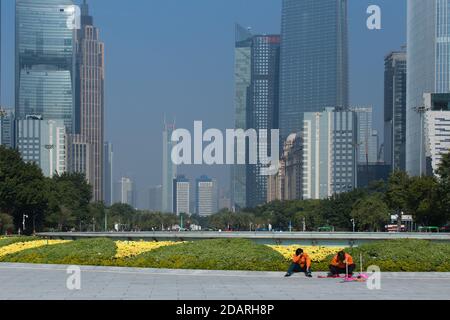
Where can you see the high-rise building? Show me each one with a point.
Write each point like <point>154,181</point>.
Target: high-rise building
<point>257,85</point>
<point>395,110</point>
<point>181,195</point>
<point>287,184</point>
<point>368,142</point>
<point>314,60</point>
<point>329,153</point>
<point>242,79</point>
<point>206,203</point>
<point>169,171</point>
<point>127,192</point>
<point>44,143</point>
<point>436,130</point>
<point>108,176</point>
<point>154,199</point>
<point>78,154</point>
<point>428,39</point>
<point>89,97</point>
<point>1,74</point>
<point>45,61</point>
<point>7,127</point>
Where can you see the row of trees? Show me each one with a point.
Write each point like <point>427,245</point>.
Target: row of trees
<point>29,201</point>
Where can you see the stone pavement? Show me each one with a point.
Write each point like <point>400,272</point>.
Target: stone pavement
<point>49,282</point>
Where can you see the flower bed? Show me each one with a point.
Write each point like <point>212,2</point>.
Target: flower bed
<point>128,249</point>
<point>317,254</point>
<point>20,246</point>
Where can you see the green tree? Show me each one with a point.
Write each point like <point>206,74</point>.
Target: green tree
<point>423,202</point>
<point>370,213</point>
<point>22,190</point>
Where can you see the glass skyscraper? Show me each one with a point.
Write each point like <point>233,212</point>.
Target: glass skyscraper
<point>242,79</point>
<point>257,59</point>
<point>169,171</point>
<point>428,70</point>
<point>44,60</point>
<point>395,110</point>
<point>314,60</point>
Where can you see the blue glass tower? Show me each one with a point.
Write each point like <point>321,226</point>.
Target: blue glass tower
<point>314,60</point>
<point>44,60</point>
<point>428,70</point>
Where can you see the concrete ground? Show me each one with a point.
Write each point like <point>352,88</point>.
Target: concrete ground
<point>49,282</point>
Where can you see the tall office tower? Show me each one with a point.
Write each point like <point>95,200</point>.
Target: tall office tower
<point>181,195</point>
<point>45,60</point>
<point>368,144</point>
<point>78,154</point>
<point>154,199</point>
<point>437,129</point>
<point>108,176</point>
<point>257,79</point>
<point>428,71</point>
<point>262,108</point>
<point>206,196</point>
<point>44,143</point>
<point>1,74</point>
<point>89,97</point>
<point>127,192</point>
<point>314,60</point>
<point>169,171</point>
<point>395,110</point>
<point>7,127</point>
<point>329,153</point>
<point>242,79</point>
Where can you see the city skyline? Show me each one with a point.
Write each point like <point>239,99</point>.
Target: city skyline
<point>266,21</point>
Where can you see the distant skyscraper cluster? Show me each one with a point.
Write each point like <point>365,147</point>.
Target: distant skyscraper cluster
<point>59,93</point>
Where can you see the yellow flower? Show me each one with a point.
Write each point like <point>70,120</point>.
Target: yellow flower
<point>317,254</point>
<point>128,249</point>
<point>20,246</point>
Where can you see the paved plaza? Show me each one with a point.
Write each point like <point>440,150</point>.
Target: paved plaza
<point>49,282</point>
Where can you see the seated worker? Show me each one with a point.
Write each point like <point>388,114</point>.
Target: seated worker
<point>341,264</point>
<point>300,263</point>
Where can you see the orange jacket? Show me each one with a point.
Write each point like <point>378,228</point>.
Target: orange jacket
<point>336,263</point>
<point>302,260</point>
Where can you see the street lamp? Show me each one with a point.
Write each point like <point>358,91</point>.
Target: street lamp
<point>353,224</point>
<point>25,216</point>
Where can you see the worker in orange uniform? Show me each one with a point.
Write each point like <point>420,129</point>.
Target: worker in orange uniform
<point>342,263</point>
<point>300,263</point>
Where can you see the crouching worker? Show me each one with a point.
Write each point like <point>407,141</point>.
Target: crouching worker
<point>342,263</point>
<point>300,263</point>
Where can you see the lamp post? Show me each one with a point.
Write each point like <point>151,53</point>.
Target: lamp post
<point>24,216</point>
<point>353,224</point>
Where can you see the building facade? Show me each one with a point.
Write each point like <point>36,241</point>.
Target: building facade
<point>368,141</point>
<point>206,196</point>
<point>262,109</point>
<point>395,71</point>
<point>329,153</point>
<point>428,70</point>
<point>242,81</point>
<point>181,195</point>
<point>154,198</point>
<point>7,128</point>
<point>43,142</point>
<point>314,60</point>
<point>127,192</point>
<point>436,129</point>
<point>169,171</point>
<point>108,173</point>
<point>89,97</point>
<point>44,61</point>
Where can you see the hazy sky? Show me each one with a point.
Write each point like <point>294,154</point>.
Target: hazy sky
<point>175,57</point>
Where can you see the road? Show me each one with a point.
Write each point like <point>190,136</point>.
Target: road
<point>49,282</point>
